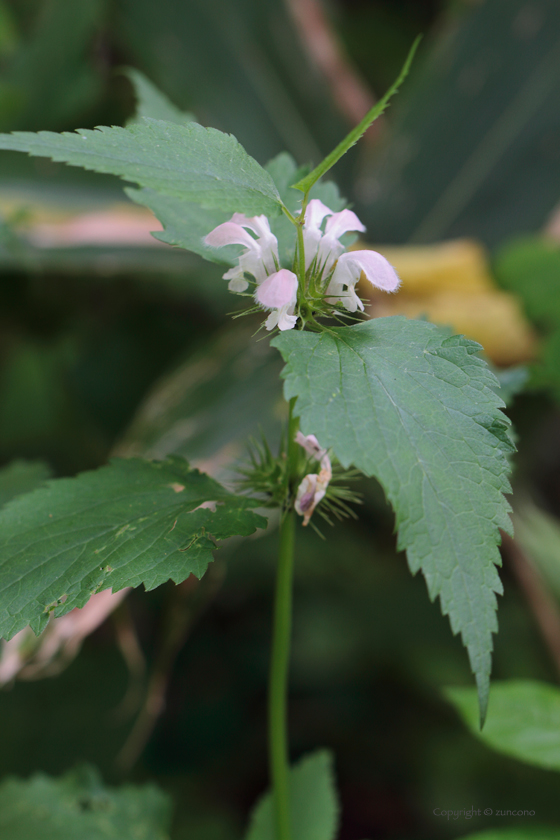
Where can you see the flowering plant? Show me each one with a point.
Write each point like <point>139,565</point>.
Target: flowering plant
<point>401,401</point>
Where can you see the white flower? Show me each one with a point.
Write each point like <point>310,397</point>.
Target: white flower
<point>260,257</point>
<point>279,293</point>
<point>312,233</point>
<point>326,246</point>
<point>348,271</point>
<point>314,486</point>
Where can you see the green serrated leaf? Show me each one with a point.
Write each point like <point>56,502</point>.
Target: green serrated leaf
<point>190,162</point>
<point>186,223</point>
<point>416,409</point>
<point>523,720</point>
<point>128,523</point>
<point>313,802</point>
<point>151,102</point>
<point>77,806</point>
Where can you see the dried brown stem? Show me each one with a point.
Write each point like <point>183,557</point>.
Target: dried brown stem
<point>188,601</point>
<point>350,92</point>
<point>541,603</point>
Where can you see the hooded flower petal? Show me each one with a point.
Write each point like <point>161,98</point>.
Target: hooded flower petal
<point>260,257</point>
<point>312,233</point>
<point>343,222</point>
<point>229,233</point>
<point>280,289</point>
<point>349,268</point>
<point>330,248</point>
<point>279,293</point>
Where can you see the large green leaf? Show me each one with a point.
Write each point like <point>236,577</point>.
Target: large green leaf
<point>128,523</point>
<point>186,161</point>
<point>313,803</point>
<point>186,223</point>
<point>77,806</point>
<point>406,403</point>
<point>523,720</point>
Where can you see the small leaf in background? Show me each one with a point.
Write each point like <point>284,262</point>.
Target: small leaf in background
<point>21,477</point>
<point>127,523</point>
<point>77,806</point>
<point>523,720</point>
<point>530,267</point>
<point>313,802</point>
<point>186,161</point>
<point>151,102</point>
<point>404,402</point>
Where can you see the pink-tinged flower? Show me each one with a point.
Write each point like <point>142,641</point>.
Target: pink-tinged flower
<point>312,233</point>
<point>260,257</point>
<point>330,248</point>
<point>279,293</point>
<point>348,271</point>
<point>326,246</point>
<point>314,486</point>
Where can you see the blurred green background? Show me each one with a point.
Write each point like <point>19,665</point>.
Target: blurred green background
<point>114,346</point>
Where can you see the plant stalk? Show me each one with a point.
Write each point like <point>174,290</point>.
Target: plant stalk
<point>280,657</point>
<point>278,686</point>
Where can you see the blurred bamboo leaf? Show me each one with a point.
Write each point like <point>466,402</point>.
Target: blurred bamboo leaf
<point>239,66</point>
<point>473,150</point>
<point>205,409</point>
<point>538,533</point>
<point>51,76</point>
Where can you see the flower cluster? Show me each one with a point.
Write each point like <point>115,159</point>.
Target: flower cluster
<point>331,274</point>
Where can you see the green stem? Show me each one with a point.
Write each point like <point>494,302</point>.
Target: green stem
<point>280,659</point>
<point>301,257</point>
